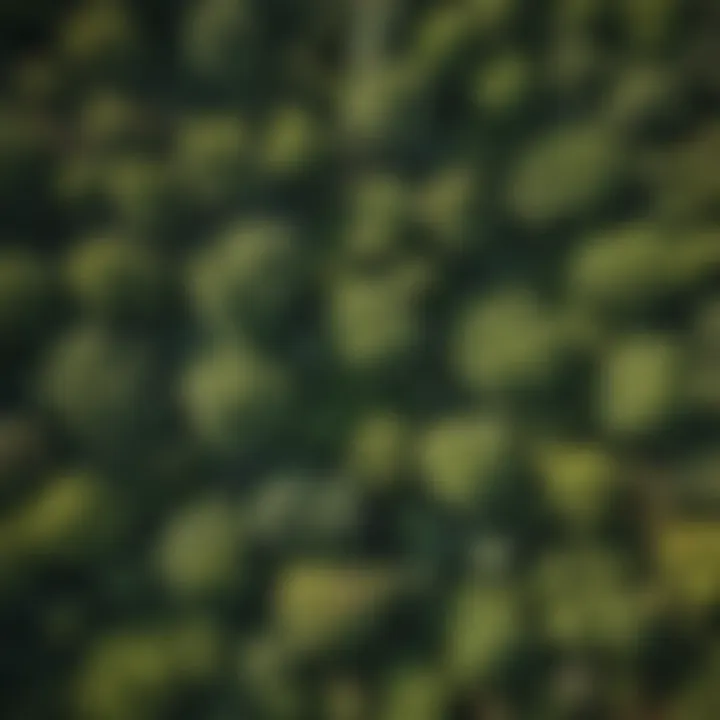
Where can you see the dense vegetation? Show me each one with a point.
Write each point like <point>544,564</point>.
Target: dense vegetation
<point>359,360</point>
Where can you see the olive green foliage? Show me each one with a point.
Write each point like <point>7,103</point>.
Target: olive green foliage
<point>507,340</point>
<point>234,395</point>
<point>249,275</point>
<point>359,360</point>
<point>569,171</point>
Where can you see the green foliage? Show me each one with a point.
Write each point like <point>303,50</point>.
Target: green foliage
<point>462,458</point>
<point>111,122</point>
<point>359,360</point>
<point>641,94</point>
<point>320,604</point>
<point>99,387</point>
<point>234,397</point>
<point>216,39</point>
<point>506,341</point>
<point>25,151</point>
<point>575,64</point>
<point>68,519</point>
<point>627,268</point>
<point>278,513</point>
<point>304,513</point>
<point>100,37</point>
<point>379,217</point>
<point>291,142</point>
<point>649,23</point>
<point>588,603</point>
<point>444,205</point>
<point>134,674</point>
<point>440,36</point>
<point>414,691</point>
<point>38,82</point>
<point>641,386</point>
<point>111,278</point>
<point>696,257</point>
<point>23,453</point>
<point>483,625</point>
<point>376,322</point>
<point>500,88</point>
<point>704,371</point>
<point>565,174</point>
<point>264,670</point>
<point>345,699</point>
<point>379,450</point>
<point>213,155</point>
<point>687,553</point>
<point>25,296</point>
<point>250,275</point>
<point>143,193</point>
<point>492,17</point>
<point>688,181</point>
<point>701,698</point>
<point>200,551</point>
<point>580,481</point>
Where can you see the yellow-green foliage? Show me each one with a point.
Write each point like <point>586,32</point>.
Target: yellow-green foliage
<point>212,157</point>
<point>641,385</point>
<point>200,551</point>
<point>377,322</point>
<point>253,270</point>
<point>506,341</point>
<point>96,385</point>
<point>483,625</point>
<point>564,174</point>
<point>359,360</point>
<point>316,604</point>
<point>462,458</point>
<point>624,268</point>
<point>110,276</point>
<point>580,481</point>
<point>414,691</point>
<point>380,449</point>
<point>233,395</point>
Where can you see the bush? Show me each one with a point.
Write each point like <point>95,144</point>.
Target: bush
<point>640,388</point>
<point>26,297</point>
<point>444,206</point>
<point>200,550</point>
<point>483,625</point>
<point>217,38</point>
<point>112,278</point>
<point>626,269</point>
<point>358,361</point>
<point>290,143</point>
<point>564,175</point>
<point>501,87</point>
<point>580,481</point>
<point>234,397</point>
<point>250,276</point>
<point>100,39</point>
<point>212,158</point>
<point>317,605</point>
<point>143,194</point>
<point>416,692</point>
<point>506,341</point>
<point>376,323</point>
<point>379,453</point>
<point>378,219</point>
<point>462,458</point>
<point>588,603</point>
<point>101,389</point>
<point>69,519</point>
